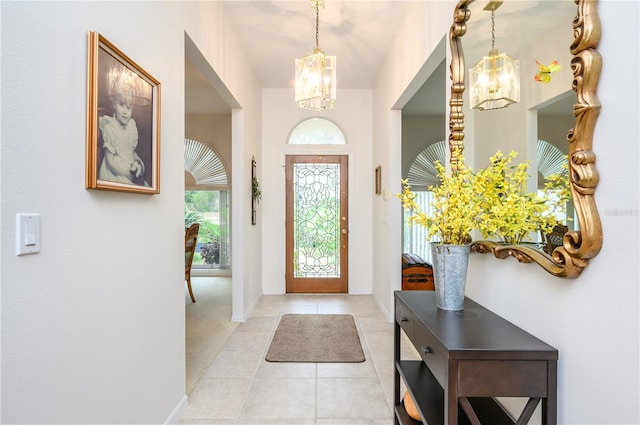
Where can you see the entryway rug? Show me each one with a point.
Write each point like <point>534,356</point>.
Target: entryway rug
<point>316,338</point>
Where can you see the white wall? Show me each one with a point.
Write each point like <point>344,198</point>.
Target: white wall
<point>93,325</point>
<point>592,320</point>
<point>214,131</point>
<point>418,132</point>
<point>420,34</point>
<point>352,115</point>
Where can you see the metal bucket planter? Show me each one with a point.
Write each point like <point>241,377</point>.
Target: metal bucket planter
<point>450,263</point>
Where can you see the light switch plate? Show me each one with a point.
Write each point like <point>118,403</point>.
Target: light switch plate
<point>27,234</point>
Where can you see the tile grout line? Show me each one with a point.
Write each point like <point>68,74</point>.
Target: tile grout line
<point>255,371</point>
<point>375,367</point>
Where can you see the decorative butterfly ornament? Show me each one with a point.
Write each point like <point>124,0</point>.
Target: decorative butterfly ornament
<point>544,72</point>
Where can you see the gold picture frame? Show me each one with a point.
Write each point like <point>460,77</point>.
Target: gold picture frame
<point>123,122</point>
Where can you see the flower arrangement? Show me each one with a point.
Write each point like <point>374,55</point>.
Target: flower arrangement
<point>494,200</point>
<point>456,207</point>
<point>509,211</point>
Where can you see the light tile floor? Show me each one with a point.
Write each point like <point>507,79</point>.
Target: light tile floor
<point>241,387</point>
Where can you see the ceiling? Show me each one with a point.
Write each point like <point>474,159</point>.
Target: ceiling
<point>358,33</point>
<point>274,33</point>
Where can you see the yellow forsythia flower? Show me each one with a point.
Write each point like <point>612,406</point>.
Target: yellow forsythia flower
<point>494,200</point>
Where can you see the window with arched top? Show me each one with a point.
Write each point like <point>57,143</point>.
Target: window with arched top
<point>207,203</point>
<point>317,131</point>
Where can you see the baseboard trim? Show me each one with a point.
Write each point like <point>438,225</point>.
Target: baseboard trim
<point>174,417</point>
<point>243,317</point>
<point>388,314</point>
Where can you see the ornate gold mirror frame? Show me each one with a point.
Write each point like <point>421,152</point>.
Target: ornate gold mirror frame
<point>579,246</point>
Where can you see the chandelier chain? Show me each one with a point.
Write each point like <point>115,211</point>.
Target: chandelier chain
<point>317,19</point>
<point>315,80</point>
<point>493,29</point>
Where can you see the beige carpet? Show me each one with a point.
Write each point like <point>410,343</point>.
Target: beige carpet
<point>316,338</point>
<point>207,325</point>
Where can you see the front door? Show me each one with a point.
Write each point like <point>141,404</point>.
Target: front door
<point>317,223</point>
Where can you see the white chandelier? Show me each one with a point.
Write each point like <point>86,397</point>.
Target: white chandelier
<point>316,75</point>
<point>495,80</point>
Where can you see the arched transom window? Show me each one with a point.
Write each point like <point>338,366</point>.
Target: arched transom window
<point>423,172</point>
<point>204,164</point>
<point>551,160</point>
<point>316,131</point>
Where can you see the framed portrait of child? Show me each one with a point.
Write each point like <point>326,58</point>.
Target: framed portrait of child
<point>123,122</point>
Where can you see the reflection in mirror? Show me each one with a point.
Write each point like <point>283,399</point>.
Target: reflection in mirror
<point>535,36</point>
<point>422,174</point>
<point>553,120</point>
<point>494,82</point>
<point>423,142</point>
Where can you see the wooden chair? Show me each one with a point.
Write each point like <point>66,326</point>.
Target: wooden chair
<point>190,238</point>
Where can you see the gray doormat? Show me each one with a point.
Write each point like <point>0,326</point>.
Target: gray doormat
<point>316,338</point>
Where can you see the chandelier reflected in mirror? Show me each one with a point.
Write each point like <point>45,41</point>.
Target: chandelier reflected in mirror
<point>315,84</point>
<point>495,80</point>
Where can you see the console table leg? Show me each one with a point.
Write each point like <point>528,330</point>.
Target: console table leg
<point>451,396</point>
<point>468,409</point>
<point>396,375</point>
<point>550,404</point>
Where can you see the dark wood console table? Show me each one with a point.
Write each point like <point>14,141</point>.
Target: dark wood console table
<point>469,357</point>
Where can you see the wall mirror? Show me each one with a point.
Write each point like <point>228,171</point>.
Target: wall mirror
<point>567,105</point>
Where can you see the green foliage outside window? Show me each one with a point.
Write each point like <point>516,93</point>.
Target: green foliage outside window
<point>203,207</point>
